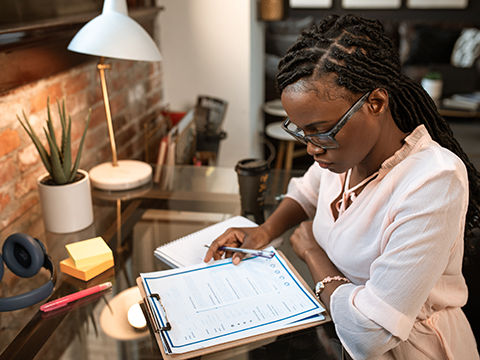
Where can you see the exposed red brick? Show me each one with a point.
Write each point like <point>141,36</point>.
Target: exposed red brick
<point>19,211</point>
<point>126,135</point>
<point>4,200</point>
<point>119,66</point>
<point>117,104</point>
<point>96,95</point>
<point>154,83</point>
<point>95,137</point>
<point>11,108</point>
<point>153,67</point>
<point>77,103</point>
<point>39,101</point>
<point>140,73</point>
<point>154,100</point>
<point>126,152</point>
<point>78,126</point>
<point>104,153</point>
<point>120,82</point>
<point>99,117</point>
<point>28,157</point>
<point>9,141</point>
<point>7,170</point>
<point>28,183</point>
<point>120,122</point>
<point>88,160</point>
<point>78,82</point>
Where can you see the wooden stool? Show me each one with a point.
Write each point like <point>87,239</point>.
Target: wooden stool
<point>286,147</point>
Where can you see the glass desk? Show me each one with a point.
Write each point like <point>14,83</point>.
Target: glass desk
<point>134,223</point>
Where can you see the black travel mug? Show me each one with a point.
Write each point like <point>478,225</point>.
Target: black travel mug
<point>252,180</point>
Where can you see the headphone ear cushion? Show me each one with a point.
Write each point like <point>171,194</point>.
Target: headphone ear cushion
<point>1,267</point>
<point>23,255</point>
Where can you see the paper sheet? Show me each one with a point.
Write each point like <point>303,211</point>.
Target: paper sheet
<point>210,304</point>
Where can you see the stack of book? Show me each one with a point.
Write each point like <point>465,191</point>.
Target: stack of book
<point>178,145</point>
<point>470,101</point>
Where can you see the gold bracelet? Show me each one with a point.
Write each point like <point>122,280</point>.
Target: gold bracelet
<point>321,284</point>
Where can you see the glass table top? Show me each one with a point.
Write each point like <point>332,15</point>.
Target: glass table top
<point>134,223</point>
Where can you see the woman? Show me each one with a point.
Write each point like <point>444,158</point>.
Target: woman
<point>391,194</point>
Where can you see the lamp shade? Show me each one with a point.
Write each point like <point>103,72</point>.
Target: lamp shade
<point>114,34</point>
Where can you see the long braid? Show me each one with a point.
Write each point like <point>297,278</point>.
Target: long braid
<point>363,58</point>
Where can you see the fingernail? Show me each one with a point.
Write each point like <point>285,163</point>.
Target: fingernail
<point>236,261</point>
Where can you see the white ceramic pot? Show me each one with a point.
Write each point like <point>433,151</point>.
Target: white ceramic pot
<point>66,208</point>
<point>433,87</point>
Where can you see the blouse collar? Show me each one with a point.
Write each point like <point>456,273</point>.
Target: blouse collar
<point>410,142</point>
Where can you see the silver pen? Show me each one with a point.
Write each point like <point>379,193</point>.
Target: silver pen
<point>265,254</point>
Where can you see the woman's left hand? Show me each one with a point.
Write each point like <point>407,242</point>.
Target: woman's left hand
<point>303,240</point>
<point>318,262</point>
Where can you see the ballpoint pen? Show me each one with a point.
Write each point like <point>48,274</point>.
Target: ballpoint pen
<point>63,301</point>
<point>262,253</point>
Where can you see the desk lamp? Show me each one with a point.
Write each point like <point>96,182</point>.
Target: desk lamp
<point>114,34</point>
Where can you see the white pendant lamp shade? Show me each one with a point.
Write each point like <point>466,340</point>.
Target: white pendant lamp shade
<point>114,34</point>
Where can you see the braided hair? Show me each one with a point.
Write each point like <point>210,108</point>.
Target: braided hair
<point>362,58</point>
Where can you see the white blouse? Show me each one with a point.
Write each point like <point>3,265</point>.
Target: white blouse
<point>400,242</point>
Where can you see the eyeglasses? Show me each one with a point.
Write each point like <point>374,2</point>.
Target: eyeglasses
<point>324,140</point>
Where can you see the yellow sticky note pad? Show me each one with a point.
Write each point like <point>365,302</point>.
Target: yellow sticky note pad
<point>88,253</point>
<point>68,267</point>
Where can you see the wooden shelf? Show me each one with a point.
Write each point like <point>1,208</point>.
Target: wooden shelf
<point>457,113</point>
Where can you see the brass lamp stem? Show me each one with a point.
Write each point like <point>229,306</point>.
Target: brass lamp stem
<point>101,68</point>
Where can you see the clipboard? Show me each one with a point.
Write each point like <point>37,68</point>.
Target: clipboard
<point>236,343</point>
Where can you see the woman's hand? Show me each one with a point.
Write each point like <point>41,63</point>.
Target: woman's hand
<point>318,262</point>
<point>289,213</point>
<point>250,238</point>
<point>303,240</point>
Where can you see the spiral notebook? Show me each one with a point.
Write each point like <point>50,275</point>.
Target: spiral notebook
<point>191,250</point>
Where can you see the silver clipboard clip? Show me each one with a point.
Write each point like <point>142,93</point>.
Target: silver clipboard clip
<point>156,322</point>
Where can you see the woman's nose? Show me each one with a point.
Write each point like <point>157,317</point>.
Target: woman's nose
<point>313,150</point>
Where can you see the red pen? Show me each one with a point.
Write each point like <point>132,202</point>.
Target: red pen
<point>63,301</point>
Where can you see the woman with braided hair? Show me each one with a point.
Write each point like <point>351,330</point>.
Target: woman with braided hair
<point>391,197</point>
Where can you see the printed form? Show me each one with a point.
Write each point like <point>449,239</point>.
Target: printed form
<point>210,304</point>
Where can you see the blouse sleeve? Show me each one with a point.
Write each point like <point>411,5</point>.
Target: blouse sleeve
<point>424,227</point>
<point>304,190</point>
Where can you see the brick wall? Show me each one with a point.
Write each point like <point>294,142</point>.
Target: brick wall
<point>135,93</point>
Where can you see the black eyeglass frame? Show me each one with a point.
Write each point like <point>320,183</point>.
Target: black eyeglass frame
<point>329,136</point>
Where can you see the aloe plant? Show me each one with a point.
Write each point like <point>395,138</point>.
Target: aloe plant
<point>59,161</point>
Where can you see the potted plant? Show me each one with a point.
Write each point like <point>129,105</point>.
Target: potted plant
<point>433,84</point>
<point>64,190</point>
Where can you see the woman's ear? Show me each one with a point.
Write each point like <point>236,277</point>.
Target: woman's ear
<point>378,101</point>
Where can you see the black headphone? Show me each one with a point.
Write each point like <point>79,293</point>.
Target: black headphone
<point>25,256</point>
